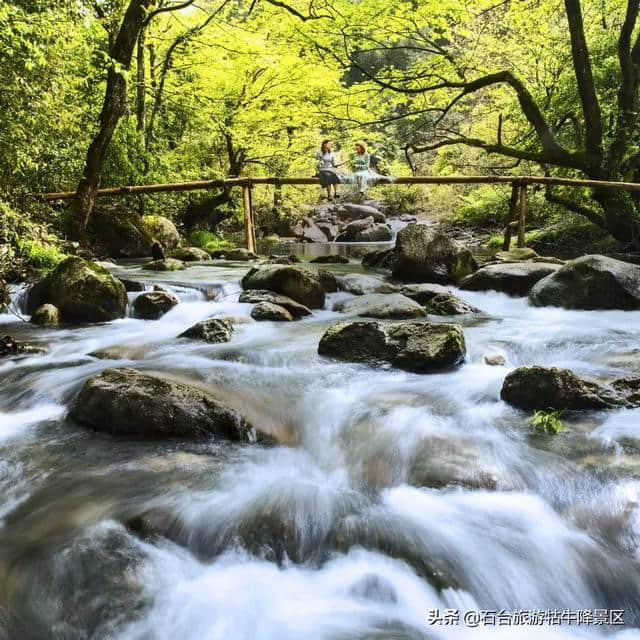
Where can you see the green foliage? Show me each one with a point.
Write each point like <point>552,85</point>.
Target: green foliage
<point>547,422</point>
<point>403,199</point>
<point>40,255</point>
<point>208,240</point>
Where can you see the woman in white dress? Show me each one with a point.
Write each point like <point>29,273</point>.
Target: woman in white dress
<point>328,169</point>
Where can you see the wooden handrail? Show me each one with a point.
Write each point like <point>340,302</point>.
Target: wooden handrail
<point>246,181</point>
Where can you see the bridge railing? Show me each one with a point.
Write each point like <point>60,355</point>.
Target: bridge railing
<point>516,217</point>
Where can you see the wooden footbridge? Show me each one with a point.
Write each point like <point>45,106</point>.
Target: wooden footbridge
<point>515,222</point>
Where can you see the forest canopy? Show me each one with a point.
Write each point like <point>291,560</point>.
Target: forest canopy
<point>112,92</point>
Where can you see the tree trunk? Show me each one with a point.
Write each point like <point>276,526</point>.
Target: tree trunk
<point>140,83</point>
<point>113,108</point>
<point>621,217</point>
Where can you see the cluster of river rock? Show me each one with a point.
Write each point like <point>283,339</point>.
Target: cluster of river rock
<point>394,304</point>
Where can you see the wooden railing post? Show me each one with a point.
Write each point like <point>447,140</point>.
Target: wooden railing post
<point>511,216</point>
<point>523,214</point>
<point>248,217</point>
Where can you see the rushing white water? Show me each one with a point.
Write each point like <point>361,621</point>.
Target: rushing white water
<point>392,494</point>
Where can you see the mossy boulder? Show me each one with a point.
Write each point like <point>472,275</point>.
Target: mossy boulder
<point>381,305</point>
<point>190,254</point>
<point>168,264</point>
<point>297,283</point>
<point>413,346</point>
<point>380,259</point>
<point>537,388</point>
<point>238,254</point>
<point>590,282</point>
<point>446,304</point>
<point>424,292</point>
<point>213,330</point>
<point>120,233</point>
<point>46,315</point>
<point>425,255</point>
<point>161,230</point>
<point>82,291</point>
<point>513,278</point>
<point>360,284</point>
<point>128,403</point>
<point>151,305</point>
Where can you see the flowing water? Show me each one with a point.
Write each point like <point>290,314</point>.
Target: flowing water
<point>392,493</point>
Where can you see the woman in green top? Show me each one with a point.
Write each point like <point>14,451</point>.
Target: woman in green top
<point>361,165</point>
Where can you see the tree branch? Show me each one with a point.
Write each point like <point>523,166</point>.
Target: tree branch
<point>587,212</point>
<point>170,7</point>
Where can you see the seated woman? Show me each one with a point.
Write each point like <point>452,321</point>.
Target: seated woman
<point>363,174</point>
<point>328,169</point>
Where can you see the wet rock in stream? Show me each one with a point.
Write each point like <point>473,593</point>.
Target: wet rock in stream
<point>153,304</point>
<point>379,305</point>
<point>537,387</point>
<point>513,278</point>
<point>213,330</point>
<point>270,311</point>
<point>82,291</point>
<point>300,284</point>
<point>590,282</point>
<point>128,403</point>
<point>425,255</point>
<point>255,296</point>
<point>413,346</point>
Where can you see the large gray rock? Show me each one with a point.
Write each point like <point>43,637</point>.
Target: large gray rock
<point>46,315</point>
<point>302,285</point>
<point>424,292</point>
<point>237,254</point>
<point>128,403</point>
<point>168,264</point>
<point>153,304</point>
<point>190,254</point>
<point>329,229</point>
<point>381,305</point>
<point>381,259</point>
<point>254,296</point>
<point>514,278</point>
<point>365,230</point>
<point>537,388</point>
<point>162,230</point>
<point>446,304</point>
<point>82,291</point>
<point>307,230</point>
<point>590,282</point>
<point>352,229</point>
<point>359,284</point>
<point>426,255</point>
<point>414,346</point>
<point>375,233</point>
<point>213,330</point>
<point>270,311</point>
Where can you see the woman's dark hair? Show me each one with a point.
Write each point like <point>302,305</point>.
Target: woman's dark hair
<point>324,144</point>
